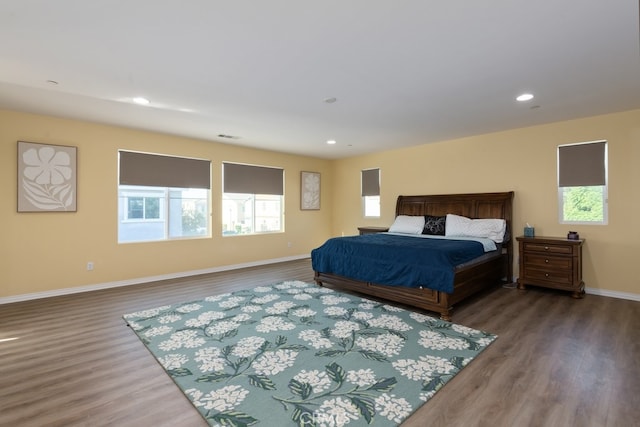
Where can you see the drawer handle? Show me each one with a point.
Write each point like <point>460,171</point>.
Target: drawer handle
<point>546,274</point>
<point>546,248</point>
<point>546,261</point>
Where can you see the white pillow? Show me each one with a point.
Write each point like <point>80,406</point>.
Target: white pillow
<point>492,228</point>
<point>407,224</point>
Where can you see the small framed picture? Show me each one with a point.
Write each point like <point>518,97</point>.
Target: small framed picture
<point>46,177</point>
<point>309,191</point>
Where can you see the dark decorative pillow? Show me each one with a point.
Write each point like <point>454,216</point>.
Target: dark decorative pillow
<point>434,225</point>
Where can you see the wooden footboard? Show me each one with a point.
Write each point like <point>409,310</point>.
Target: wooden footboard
<point>467,282</point>
<point>426,299</point>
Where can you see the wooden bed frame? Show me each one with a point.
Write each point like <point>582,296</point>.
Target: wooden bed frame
<point>468,280</point>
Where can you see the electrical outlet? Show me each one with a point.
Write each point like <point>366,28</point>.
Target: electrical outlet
<point>90,266</point>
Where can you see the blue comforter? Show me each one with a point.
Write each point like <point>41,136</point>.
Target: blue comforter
<point>390,259</point>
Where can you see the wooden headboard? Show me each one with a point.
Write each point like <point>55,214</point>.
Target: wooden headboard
<point>475,205</point>
<point>472,205</point>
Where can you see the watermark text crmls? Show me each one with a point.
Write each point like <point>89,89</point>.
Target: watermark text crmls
<point>315,418</point>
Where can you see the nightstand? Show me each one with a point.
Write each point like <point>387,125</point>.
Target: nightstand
<point>372,230</point>
<point>552,262</point>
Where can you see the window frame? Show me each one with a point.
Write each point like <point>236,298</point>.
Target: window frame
<point>605,186</point>
<point>371,203</point>
<point>257,177</point>
<point>605,207</point>
<point>165,194</point>
<point>130,193</point>
<point>183,187</point>
<point>370,191</point>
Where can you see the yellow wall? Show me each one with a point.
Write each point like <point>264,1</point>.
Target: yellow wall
<point>522,160</point>
<point>41,252</point>
<point>47,251</point>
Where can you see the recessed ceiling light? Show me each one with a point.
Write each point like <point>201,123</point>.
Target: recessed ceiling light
<point>331,141</point>
<point>330,100</point>
<point>524,97</point>
<point>140,100</point>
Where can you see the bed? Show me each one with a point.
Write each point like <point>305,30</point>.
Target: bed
<point>468,278</point>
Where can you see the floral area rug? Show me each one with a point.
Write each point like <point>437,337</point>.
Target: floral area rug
<point>295,353</point>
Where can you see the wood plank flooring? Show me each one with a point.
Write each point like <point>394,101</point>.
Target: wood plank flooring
<point>71,361</point>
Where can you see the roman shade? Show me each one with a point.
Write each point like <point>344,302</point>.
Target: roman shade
<point>249,179</point>
<point>371,182</point>
<point>158,170</point>
<point>582,165</point>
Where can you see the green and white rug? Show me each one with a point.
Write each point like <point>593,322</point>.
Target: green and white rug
<point>298,354</point>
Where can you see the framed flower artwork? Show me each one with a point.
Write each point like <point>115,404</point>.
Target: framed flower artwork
<point>309,191</point>
<point>46,177</point>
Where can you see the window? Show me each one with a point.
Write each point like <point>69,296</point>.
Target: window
<point>252,199</point>
<point>143,207</point>
<point>582,183</point>
<point>162,197</point>
<point>370,183</point>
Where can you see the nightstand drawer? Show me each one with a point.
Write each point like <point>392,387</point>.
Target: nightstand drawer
<point>559,277</point>
<point>548,248</point>
<point>548,262</point>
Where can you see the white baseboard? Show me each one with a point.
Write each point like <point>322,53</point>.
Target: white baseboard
<point>98,286</point>
<point>613,294</point>
<point>137,281</point>
<point>605,293</point>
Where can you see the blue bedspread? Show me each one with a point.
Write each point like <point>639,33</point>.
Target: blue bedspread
<point>390,259</point>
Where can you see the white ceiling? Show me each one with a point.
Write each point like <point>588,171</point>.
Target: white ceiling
<point>404,72</point>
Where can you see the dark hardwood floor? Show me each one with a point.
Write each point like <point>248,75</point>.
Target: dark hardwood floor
<point>71,361</point>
